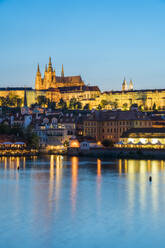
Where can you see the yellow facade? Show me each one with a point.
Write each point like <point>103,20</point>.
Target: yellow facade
<point>56,87</point>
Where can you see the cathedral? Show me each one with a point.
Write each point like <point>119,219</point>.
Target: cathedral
<point>51,81</point>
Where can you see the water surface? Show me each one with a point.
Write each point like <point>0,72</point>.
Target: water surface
<point>75,202</point>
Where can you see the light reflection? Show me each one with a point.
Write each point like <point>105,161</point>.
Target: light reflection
<point>24,162</point>
<point>143,181</point>
<point>74,161</point>
<point>155,173</point>
<point>99,181</point>
<point>98,168</point>
<point>138,172</point>
<point>120,166</point>
<point>51,178</point>
<point>125,166</point>
<point>59,169</point>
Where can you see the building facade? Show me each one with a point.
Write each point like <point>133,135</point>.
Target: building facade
<point>112,124</point>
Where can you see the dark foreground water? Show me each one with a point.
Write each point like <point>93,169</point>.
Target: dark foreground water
<point>79,203</point>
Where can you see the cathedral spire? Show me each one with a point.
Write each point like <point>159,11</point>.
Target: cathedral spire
<point>131,85</point>
<point>124,85</point>
<point>46,68</point>
<point>62,71</point>
<point>50,65</point>
<point>38,68</point>
<point>25,98</point>
<point>50,62</point>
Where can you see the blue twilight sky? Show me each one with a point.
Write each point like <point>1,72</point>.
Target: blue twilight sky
<point>103,40</point>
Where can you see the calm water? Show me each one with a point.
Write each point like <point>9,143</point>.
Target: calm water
<point>79,203</point>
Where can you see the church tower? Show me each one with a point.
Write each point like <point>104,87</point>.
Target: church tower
<point>124,85</point>
<point>62,71</point>
<point>131,85</point>
<point>38,81</point>
<point>49,76</point>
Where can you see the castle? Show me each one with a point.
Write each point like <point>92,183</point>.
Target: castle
<point>56,87</point>
<point>51,81</point>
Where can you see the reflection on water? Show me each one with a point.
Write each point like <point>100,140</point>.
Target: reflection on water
<point>74,161</point>
<point>106,198</point>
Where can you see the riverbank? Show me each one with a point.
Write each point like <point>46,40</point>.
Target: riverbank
<point>115,153</point>
<point>120,153</point>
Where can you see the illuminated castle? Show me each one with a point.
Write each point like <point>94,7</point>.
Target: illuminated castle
<point>51,81</point>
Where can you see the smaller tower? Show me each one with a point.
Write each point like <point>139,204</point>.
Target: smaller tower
<point>62,71</point>
<point>25,98</point>
<point>46,69</point>
<point>124,85</point>
<point>131,85</point>
<point>38,80</point>
<point>50,69</point>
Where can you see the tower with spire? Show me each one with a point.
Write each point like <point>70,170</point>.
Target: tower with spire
<point>38,80</point>
<point>62,71</point>
<point>130,85</point>
<point>124,85</point>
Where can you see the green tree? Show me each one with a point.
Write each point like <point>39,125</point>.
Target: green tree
<point>62,104</point>
<point>66,143</point>
<point>78,105</point>
<point>125,106</point>
<point>72,103</point>
<point>42,101</point>
<point>154,106</point>
<point>99,107</point>
<point>52,105</point>
<point>104,103</point>
<point>86,107</point>
<point>19,102</point>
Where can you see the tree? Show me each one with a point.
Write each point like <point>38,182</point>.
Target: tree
<point>42,100</point>
<point>103,103</point>
<point>72,103</point>
<point>86,107</point>
<point>125,105</point>
<point>78,105</point>
<point>154,106</point>
<point>31,138</point>
<point>19,102</point>
<point>66,143</point>
<point>107,143</point>
<point>62,104</point>
<point>52,105</point>
<point>99,107</point>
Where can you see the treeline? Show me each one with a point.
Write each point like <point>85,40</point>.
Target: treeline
<point>31,139</point>
<point>73,104</point>
<point>11,101</point>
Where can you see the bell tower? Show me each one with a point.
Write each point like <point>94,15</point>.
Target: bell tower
<point>131,85</point>
<point>49,76</point>
<point>38,81</point>
<point>62,71</point>
<point>124,85</point>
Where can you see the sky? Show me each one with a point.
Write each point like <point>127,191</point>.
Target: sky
<point>102,40</point>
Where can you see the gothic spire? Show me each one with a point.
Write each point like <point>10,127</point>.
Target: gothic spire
<point>46,68</point>
<point>62,71</point>
<point>124,85</point>
<point>50,65</point>
<point>25,99</point>
<point>38,68</point>
<point>50,62</point>
<point>131,85</point>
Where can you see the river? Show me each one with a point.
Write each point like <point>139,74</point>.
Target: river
<point>56,201</point>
